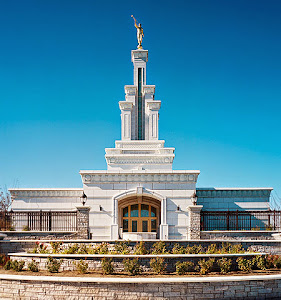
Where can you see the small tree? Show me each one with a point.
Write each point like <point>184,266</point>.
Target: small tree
<point>5,204</point>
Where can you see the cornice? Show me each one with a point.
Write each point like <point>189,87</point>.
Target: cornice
<point>149,177</point>
<point>233,193</point>
<point>130,90</point>
<point>45,193</point>
<point>149,89</point>
<point>125,105</point>
<point>154,105</point>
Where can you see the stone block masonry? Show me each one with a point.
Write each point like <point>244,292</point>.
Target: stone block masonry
<point>236,287</point>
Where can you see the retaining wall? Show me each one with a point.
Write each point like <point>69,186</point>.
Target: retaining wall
<point>238,235</point>
<point>230,287</point>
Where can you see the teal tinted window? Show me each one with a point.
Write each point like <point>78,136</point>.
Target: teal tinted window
<point>125,212</point>
<point>140,133</point>
<point>135,210</point>
<point>134,226</point>
<point>125,225</point>
<point>153,211</point>
<point>144,226</point>
<point>144,210</point>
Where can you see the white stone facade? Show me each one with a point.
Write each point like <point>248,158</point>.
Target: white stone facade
<point>139,175</point>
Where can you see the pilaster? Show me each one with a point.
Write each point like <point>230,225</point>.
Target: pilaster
<point>193,230</point>
<point>83,222</point>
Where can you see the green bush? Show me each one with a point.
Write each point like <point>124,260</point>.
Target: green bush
<point>157,265</point>
<point>236,248</point>
<point>121,247</point>
<point>3,259</point>
<point>184,267</point>
<point>33,266</point>
<point>225,265</point>
<point>245,265</point>
<point>140,248</point>
<point>56,247</point>
<point>159,248</point>
<point>132,266</point>
<point>273,261</point>
<point>178,250</point>
<point>53,265</point>
<point>82,266</point>
<point>17,265</point>
<point>195,249</point>
<point>205,266</point>
<point>107,266</point>
<point>40,248</point>
<point>100,249</point>
<point>25,228</point>
<point>225,248</point>
<point>83,249</point>
<point>71,249</point>
<point>212,249</point>
<point>8,265</point>
<point>259,261</point>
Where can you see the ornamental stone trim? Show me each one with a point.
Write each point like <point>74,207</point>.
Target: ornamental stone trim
<point>125,105</point>
<point>130,90</point>
<point>149,89</point>
<point>235,193</point>
<point>136,177</point>
<point>45,193</point>
<point>154,105</point>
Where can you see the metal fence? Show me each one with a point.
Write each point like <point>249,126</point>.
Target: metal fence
<point>241,220</point>
<point>39,221</point>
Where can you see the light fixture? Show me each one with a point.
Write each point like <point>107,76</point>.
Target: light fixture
<point>178,208</point>
<point>101,208</point>
<point>83,199</point>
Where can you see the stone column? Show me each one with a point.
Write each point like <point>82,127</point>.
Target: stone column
<point>83,222</point>
<point>193,230</point>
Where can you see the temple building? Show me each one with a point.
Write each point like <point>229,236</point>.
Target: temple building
<point>140,196</point>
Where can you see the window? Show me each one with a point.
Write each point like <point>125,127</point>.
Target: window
<point>139,218</point>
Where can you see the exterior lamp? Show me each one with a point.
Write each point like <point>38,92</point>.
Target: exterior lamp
<point>101,209</point>
<point>83,199</point>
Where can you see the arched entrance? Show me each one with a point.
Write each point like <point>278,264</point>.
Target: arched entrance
<point>139,213</point>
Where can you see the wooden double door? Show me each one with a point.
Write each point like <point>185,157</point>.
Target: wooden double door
<point>140,218</point>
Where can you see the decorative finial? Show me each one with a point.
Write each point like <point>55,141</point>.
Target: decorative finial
<point>140,34</point>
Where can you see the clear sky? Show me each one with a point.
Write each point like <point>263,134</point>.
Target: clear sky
<point>216,66</point>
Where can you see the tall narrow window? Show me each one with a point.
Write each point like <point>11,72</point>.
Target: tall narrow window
<point>140,131</point>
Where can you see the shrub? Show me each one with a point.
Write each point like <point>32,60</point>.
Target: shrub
<point>260,262</point>
<point>33,266</point>
<point>71,249</point>
<point>40,248</point>
<point>245,265</point>
<point>157,265</point>
<point>212,249</point>
<point>178,250</point>
<point>121,247</point>
<point>25,228</point>
<point>132,266</point>
<point>196,249</point>
<point>236,248</point>
<point>82,266</point>
<point>159,248</point>
<point>3,259</point>
<point>83,249</point>
<point>107,266</point>
<point>140,248</point>
<point>205,266</point>
<point>53,265</point>
<point>100,249</point>
<point>225,248</point>
<point>56,247</point>
<point>8,265</point>
<point>17,265</point>
<point>184,267</point>
<point>273,261</point>
<point>225,265</point>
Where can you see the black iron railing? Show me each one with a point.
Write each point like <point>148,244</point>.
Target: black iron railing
<point>241,220</point>
<point>39,220</point>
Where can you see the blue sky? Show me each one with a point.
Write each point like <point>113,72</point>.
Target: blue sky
<point>216,66</point>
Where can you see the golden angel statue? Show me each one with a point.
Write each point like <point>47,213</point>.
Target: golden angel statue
<point>140,34</point>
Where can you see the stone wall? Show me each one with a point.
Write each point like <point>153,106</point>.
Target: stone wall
<point>94,261</point>
<point>39,235</point>
<point>34,287</point>
<point>237,235</point>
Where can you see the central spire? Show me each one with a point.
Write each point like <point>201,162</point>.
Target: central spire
<point>139,147</point>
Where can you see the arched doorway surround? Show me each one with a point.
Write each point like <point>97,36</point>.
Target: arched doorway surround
<point>143,210</point>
